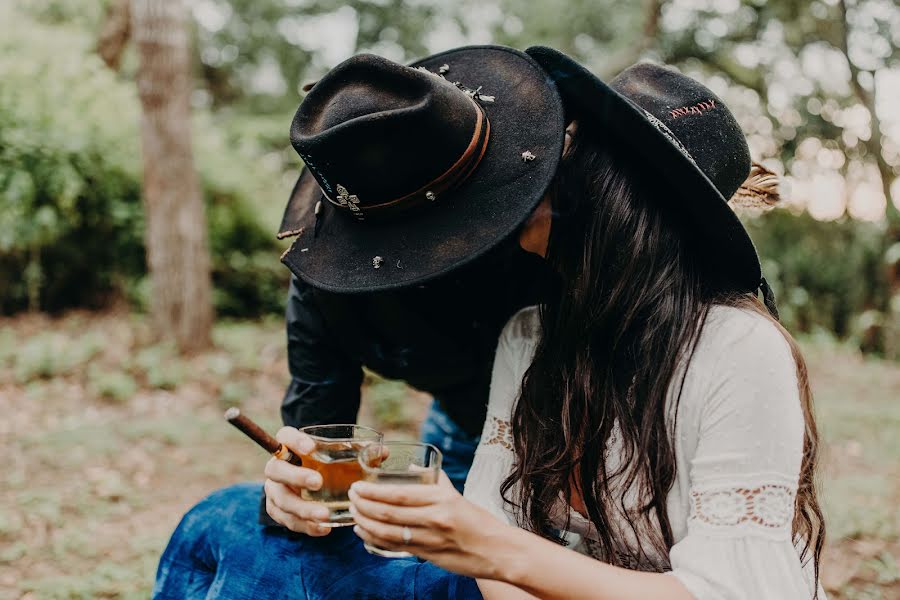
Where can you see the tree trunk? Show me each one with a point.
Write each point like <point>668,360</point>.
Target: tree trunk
<point>874,145</point>
<point>177,253</point>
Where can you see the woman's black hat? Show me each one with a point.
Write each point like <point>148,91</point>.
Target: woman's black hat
<point>412,171</point>
<point>688,139</point>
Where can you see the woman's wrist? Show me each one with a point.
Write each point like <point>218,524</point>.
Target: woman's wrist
<point>511,551</point>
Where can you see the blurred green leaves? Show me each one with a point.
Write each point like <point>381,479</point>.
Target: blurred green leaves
<point>71,220</point>
<point>48,354</point>
<point>826,274</point>
<point>68,171</point>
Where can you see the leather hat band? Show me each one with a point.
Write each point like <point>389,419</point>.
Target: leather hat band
<point>430,192</point>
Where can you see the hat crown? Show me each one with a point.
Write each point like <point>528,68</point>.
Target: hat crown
<point>485,198</point>
<point>702,126</point>
<point>379,131</point>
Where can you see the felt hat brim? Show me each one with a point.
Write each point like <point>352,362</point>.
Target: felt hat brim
<point>717,234</point>
<point>466,222</point>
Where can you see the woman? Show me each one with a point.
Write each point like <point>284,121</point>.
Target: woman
<point>652,415</point>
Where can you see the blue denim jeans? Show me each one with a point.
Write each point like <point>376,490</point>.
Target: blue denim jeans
<point>220,551</point>
<point>457,446</point>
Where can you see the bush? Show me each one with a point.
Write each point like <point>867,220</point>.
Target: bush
<point>69,194</point>
<point>51,354</point>
<point>248,278</point>
<point>117,386</point>
<point>826,274</point>
<point>71,220</point>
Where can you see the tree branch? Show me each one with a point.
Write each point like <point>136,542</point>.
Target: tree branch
<point>874,146</point>
<point>874,143</point>
<point>115,33</point>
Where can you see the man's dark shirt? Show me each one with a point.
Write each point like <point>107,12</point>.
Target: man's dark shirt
<point>439,337</point>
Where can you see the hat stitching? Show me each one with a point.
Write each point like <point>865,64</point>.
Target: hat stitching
<point>323,182</point>
<point>695,109</point>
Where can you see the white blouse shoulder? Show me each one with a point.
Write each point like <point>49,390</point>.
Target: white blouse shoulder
<point>739,443</point>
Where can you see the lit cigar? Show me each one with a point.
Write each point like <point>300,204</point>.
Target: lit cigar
<point>255,432</point>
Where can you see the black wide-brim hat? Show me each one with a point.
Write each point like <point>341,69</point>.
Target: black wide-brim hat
<point>377,207</point>
<point>687,138</point>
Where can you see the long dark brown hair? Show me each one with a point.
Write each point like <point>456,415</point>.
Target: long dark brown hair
<point>632,302</point>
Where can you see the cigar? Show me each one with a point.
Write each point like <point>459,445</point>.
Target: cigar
<point>257,434</point>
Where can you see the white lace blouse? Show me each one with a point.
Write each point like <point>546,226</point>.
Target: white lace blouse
<point>738,448</point>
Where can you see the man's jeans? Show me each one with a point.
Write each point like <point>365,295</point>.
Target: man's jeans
<point>456,445</point>
<point>220,551</point>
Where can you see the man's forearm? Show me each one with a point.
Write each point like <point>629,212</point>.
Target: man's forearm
<point>316,403</point>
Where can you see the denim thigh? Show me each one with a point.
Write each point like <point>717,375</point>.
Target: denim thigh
<point>220,551</point>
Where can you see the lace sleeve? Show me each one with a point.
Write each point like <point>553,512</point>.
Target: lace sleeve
<point>497,432</point>
<point>750,430</point>
<point>744,473</point>
<point>769,507</point>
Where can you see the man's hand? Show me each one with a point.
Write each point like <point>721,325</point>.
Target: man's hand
<point>284,482</point>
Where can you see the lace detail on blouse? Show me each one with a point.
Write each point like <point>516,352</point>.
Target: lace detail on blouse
<point>498,433</point>
<point>769,506</point>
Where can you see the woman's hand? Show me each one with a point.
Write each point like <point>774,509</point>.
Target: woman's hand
<point>444,527</point>
<point>284,482</point>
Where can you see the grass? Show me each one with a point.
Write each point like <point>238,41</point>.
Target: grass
<point>109,438</point>
<point>859,418</point>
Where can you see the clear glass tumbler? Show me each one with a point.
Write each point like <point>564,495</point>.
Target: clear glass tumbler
<point>335,458</point>
<point>401,463</point>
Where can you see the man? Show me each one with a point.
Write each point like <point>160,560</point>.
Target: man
<point>439,338</point>
<point>406,261</point>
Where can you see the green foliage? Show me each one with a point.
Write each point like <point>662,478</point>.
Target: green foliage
<point>248,278</point>
<point>49,355</point>
<point>107,580</point>
<point>238,39</point>
<point>389,399</point>
<point>10,526</point>
<point>233,394</point>
<point>245,346</point>
<point>219,365</point>
<point>114,385</point>
<point>71,220</point>
<point>825,273</point>
<point>69,195</point>
<point>159,366</point>
<point>13,552</point>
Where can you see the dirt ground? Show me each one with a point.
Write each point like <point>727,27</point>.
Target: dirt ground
<point>108,439</point>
